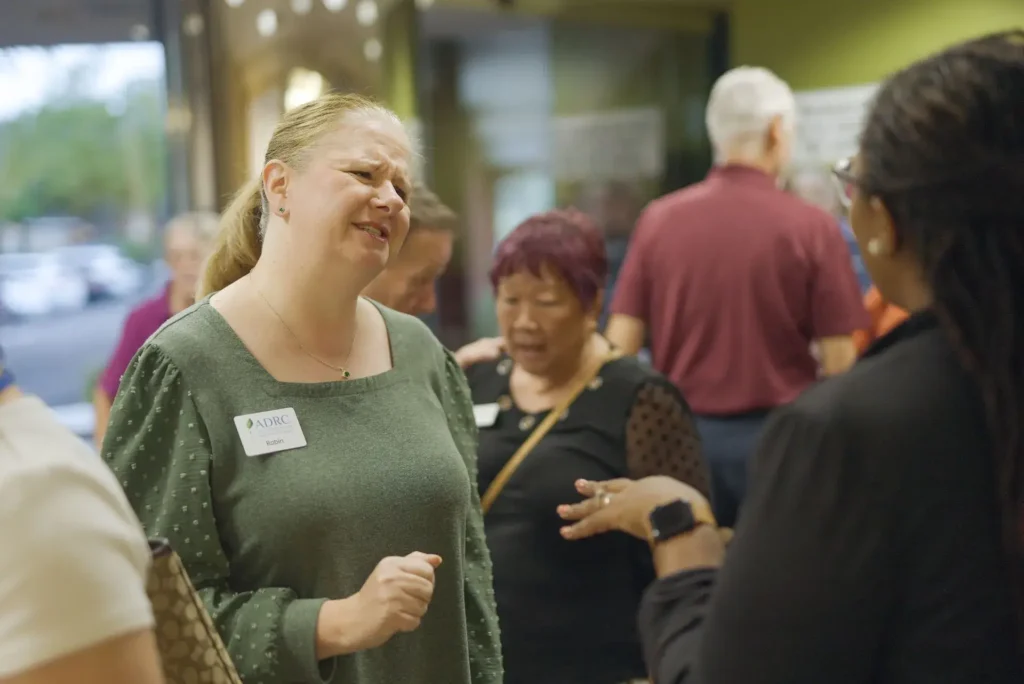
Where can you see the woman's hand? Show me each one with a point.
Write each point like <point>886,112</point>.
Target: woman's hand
<point>484,349</point>
<point>625,505</point>
<point>393,599</point>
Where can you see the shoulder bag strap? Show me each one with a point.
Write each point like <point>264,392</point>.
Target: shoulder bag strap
<point>538,433</point>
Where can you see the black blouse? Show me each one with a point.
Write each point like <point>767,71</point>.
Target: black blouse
<point>869,548</point>
<point>568,609</point>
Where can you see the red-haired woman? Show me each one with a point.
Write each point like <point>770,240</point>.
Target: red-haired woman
<point>559,405</point>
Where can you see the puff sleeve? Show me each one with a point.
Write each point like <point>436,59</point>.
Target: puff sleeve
<point>159,449</point>
<point>662,438</point>
<point>481,609</point>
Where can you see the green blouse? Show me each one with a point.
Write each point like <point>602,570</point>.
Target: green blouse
<point>389,467</point>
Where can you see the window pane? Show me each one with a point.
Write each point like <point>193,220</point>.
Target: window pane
<point>83,177</point>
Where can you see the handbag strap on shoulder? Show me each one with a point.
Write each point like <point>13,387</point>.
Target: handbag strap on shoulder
<point>538,433</point>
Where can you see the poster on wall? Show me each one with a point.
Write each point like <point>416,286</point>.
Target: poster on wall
<point>829,122</point>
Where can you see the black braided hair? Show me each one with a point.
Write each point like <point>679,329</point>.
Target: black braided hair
<point>943,148</point>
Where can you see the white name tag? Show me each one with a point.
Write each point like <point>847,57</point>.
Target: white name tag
<point>270,431</point>
<point>485,414</point>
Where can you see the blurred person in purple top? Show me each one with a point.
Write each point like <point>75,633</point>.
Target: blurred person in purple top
<point>188,240</point>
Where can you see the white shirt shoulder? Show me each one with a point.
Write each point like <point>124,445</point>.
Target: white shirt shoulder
<point>74,558</point>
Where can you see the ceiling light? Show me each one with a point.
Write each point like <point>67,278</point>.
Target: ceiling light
<point>424,4</point>
<point>366,12</point>
<point>335,5</point>
<point>266,23</point>
<point>302,6</point>
<point>234,3</point>
<point>372,49</point>
<point>303,86</point>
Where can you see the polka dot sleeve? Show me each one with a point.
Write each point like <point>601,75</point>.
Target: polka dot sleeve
<point>159,449</point>
<point>481,610</point>
<point>661,437</point>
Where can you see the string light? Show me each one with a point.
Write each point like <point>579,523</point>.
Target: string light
<point>367,12</point>
<point>266,23</point>
<point>372,49</point>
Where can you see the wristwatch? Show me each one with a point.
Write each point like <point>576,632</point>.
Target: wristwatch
<point>672,520</point>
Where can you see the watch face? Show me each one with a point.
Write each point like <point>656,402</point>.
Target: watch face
<point>672,520</point>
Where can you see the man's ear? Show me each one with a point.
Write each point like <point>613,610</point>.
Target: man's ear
<point>776,134</point>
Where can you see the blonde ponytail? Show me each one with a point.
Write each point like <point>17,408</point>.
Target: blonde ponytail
<point>239,241</point>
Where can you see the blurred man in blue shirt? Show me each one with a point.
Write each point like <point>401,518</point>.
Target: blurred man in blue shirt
<point>815,187</point>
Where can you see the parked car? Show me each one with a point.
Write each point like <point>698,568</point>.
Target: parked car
<point>34,284</point>
<point>107,272</point>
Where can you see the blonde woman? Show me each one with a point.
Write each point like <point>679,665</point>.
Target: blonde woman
<point>310,454</point>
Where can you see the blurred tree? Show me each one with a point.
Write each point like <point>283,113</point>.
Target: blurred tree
<point>78,156</point>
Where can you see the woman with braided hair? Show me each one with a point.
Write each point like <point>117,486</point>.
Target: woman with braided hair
<point>884,535</point>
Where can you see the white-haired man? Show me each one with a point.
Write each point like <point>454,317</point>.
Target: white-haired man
<point>732,280</point>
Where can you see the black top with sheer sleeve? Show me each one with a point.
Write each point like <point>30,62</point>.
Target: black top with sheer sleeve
<point>568,609</point>
<point>870,548</point>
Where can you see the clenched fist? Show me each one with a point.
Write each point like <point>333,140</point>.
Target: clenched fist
<point>395,597</point>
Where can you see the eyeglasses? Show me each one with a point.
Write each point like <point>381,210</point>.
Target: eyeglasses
<point>846,182</point>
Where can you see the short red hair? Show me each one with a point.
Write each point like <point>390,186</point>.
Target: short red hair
<point>567,241</point>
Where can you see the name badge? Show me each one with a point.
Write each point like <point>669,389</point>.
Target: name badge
<point>270,431</point>
<point>485,414</point>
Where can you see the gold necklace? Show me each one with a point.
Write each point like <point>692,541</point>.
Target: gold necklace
<point>338,369</point>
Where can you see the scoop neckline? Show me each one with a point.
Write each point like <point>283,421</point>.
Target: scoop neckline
<point>276,387</point>
<point>506,386</point>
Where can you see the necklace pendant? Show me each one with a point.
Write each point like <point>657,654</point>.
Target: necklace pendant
<point>345,374</point>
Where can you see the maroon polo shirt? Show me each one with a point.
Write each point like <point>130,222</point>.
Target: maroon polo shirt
<point>143,321</point>
<point>734,279</point>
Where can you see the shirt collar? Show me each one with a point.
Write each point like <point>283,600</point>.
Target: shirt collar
<point>745,175</point>
<point>916,324</point>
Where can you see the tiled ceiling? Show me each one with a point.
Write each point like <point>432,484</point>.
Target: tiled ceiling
<point>334,35</point>
<point>332,31</point>
<point>331,42</point>
<point>49,22</point>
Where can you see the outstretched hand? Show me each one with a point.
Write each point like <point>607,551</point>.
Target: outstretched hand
<point>625,505</point>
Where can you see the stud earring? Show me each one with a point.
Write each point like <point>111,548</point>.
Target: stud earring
<point>874,247</point>
<point>280,209</point>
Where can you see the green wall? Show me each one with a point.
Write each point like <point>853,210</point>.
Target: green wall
<point>598,68</point>
<point>822,43</point>
<point>398,63</point>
